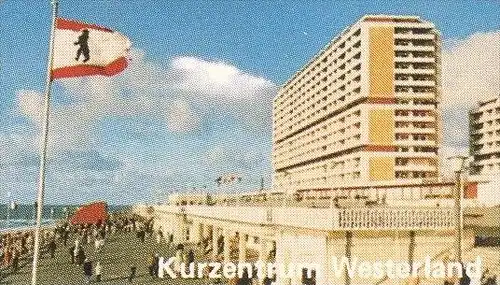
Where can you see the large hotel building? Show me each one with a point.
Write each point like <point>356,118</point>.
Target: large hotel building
<point>363,111</point>
<point>485,137</point>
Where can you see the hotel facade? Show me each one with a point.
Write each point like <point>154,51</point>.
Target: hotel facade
<point>485,137</point>
<point>363,111</point>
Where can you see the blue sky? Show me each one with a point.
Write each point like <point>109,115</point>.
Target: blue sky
<point>153,135</point>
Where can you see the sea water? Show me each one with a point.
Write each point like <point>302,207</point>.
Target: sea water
<point>23,216</point>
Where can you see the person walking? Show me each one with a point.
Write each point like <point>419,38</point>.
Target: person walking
<point>65,236</point>
<point>151,264</point>
<point>179,258</point>
<point>76,249</point>
<point>87,270</point>
<point>98,271</point>
<point>7,256</point>
<point>142,233</point>
<point>156,266</point>
<point>170,240</point>
<point>159,236</point>
<point>80,256</point>
<point>190,257</point>
<point>98,244</point>
<point>72,254</point>
<point>465,280</point>
<point>131,276</point>
<point>15,261</point>
<point>52,248</point>
<point>245,279</point>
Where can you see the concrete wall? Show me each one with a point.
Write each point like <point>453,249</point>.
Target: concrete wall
<point>321,248</point>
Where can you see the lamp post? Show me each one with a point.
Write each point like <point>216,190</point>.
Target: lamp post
<point>458,166</point>
<point>8,208</point>
<point>261,162</point>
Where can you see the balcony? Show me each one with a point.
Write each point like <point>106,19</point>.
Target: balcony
<point>411,82</point>
<point>476,130</point>
<point>419,107</point>
<point>414,118</point>
<point>412,47</point>
<point>416,167</point>
<point>410,35</point>
<point>490,128</point>
<point>486,150</point>
<point>414,130</point>
<point>410,95</point>
<point>411,142</point>
<point>411,70</point>
<point>414,154</point>
<point>484,140</point>
<point>410,58</point>
<point>487,161</point>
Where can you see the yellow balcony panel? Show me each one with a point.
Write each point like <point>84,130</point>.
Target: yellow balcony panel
<point>381,63</point>
<point>381,168</point>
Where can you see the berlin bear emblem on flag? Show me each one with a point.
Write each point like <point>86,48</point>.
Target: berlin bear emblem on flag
<point>84,46</point>
<point>82,49</point>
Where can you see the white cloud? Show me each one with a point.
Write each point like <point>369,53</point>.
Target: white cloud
<point>181,117</point>
<point>217,80</point>
<point>471,70</point>
<point>238,157</point>
<point>151,89</point>
<point>16,149</point>
<point>470,73</point>
<point>71,126</point>
<point>30,104</point>
<point>215,154</point>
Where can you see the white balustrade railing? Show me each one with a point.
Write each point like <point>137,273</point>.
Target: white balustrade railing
<point>392,218</point>
<point>324,218</point>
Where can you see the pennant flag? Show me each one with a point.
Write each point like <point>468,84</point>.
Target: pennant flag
<point>82,49</point>
<point>228,179</point>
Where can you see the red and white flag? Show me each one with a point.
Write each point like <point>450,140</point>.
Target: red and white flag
<point>82,49</point>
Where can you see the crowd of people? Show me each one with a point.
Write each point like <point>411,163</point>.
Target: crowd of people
<point>96,235</point>
<point>17,247</point>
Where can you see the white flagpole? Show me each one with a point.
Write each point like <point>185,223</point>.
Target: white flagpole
<point>43,156</point>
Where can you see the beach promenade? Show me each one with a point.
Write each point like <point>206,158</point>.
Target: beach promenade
<point>121,251</point>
